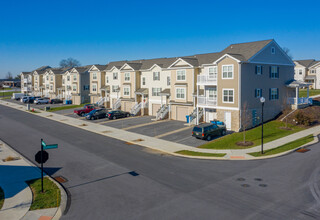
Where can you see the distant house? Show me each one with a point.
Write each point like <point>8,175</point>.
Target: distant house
<point>308,71</point>
<point>10,82</point>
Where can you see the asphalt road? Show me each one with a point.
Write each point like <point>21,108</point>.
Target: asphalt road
<point>165,187</point>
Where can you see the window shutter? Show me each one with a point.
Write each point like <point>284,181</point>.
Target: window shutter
<point>260,92</point>
<point>255,93</point>
<point>270,68</point>
<point>277,93</point>
<point>269,94</point>
<point>256,69</point>
<point>278,72</point>
<point>261,69</point>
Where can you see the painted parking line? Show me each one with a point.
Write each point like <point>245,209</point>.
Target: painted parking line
<point>145,124</point>
<point>172,132</point>
<point>67,114</point>
<point>119,119</point>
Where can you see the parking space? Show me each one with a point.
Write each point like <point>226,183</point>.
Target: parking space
<point>39,106</point>
<point>126,123</point>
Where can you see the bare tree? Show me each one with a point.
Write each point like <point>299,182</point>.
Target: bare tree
<point>246,120</point>
<point>9,75</point>
<point>17,77</point>
<point>287,51</point>
<point>70,62</point>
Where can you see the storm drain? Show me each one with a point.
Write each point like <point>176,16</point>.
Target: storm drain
<point>241,179</point>
<point>302,150</point>
<point>257,179</point>
<point>245,185</point>
<point>263,185</point>
<point>133,173</point>
<point>60,179</point>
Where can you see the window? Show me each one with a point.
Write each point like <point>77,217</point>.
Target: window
<point>181,75</point>
<point>115,88</point>
<point>156,76</point>
<point>227,72</point>
<point>94,76</point>
<point>213,72</point>
<point>51,87</point>
<point>107,79</point>
<point>143,81</point>
<point>74,88</point>
<point>74,77</point>
<point>126,91</point>
<point>47,86</point>
<point>47,77</point>
<point>51,78</point>
<point>273,93</point>
<point>36,78</point>
<point>258,70</point>
<point>168,81</point>
<point>180,93</point>
<point>274,72</point>
<point>228,95</point>
<point>63,81</point>
<point>68,78</point>
<point>313,71</point>
<point>115,76</point>
<point>126,76</point>
<point>156,91</point>
<point>94,87</point>
<point>258,93</point>
<point>212,94</point>
<point>300,72</point>
<point>273,50</point>
<point>86,87</point>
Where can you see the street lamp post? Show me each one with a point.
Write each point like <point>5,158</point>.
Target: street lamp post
<point>262,100</point>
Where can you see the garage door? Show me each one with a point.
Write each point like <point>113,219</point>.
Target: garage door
<point>155,108</point>
<point>127,106</point>
<point>181,113</point>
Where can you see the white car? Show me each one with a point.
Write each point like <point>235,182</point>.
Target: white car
<point>41,101</point>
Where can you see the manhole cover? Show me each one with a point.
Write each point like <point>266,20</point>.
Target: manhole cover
<point>245,185</point>
<point>241,179</point>
<point>263,185</point>
<point>133,173</point>
<point>302,150</point>
<point>61,179</point>
<point>257,179</point>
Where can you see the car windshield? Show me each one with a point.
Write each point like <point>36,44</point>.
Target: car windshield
<point>197,129</point>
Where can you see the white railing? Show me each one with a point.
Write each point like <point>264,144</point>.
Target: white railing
<point>162,112</point>
<point>102,100</point>
<point>207,80</point>
<point>203,100</point>
<point>117,104</point>
<point>193,116</point>
<point>136,108</point>
<point>300,101</point>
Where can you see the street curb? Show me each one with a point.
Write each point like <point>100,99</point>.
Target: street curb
<point>63,194</point>
<point>23,108</point>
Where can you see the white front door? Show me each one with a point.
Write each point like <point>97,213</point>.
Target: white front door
<point>227,120</point>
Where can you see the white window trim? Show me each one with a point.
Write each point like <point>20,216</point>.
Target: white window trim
<point>273,50</point>
<point>232,71</point>
<point>277,94</point>
<point>260,69</point>
<point>126,87</point>
<point>94,76</point>
<point>153,76</point>
<point>260,90</point>
<point>158,88</point>
<point>125,77</point>
<point>185,78</point>
<point>223,96</point>
<point>113,73</point>
<point>95,85</point>
<point>144,81</point>
<point>185,93</point>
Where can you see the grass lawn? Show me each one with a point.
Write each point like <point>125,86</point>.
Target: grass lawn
<point>1,197</point>
<point>271,131</point>
<point>54,109</point>
<point>285,147</point>
<point>193,153</point>
<point>50,197</point>
<point>7,93</point>
<point>312,92</point>
<point>6,97</point>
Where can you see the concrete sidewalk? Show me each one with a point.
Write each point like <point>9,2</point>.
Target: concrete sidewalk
<point>160,144</point>
<point>18,195</point>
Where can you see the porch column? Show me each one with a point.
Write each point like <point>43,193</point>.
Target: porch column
<point>142,105</point>
<point>194,102</point>
<point>135,98</point>
<point>197,105</point>
<point>161,100</point>
<point>297,96</point>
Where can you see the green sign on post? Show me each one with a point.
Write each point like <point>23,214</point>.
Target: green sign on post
<point>52,146</point>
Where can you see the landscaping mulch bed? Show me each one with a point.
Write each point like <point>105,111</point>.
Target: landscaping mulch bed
<point>244,144</point>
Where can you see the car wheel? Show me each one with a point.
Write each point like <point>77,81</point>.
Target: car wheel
<point>209,138</point>
<point>82,114</point>
<point>128,115</point>
<point>114,117</point>
<point>91,118</point>
<point>223,133</point>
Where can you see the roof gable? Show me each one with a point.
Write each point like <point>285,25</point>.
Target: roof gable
<point>182,63</point>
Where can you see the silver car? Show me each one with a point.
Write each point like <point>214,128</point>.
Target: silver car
<point>41,101</point>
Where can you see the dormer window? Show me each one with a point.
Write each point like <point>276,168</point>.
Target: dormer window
<point>273,50</point>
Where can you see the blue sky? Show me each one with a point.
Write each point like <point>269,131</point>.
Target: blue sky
<point>35,33</point>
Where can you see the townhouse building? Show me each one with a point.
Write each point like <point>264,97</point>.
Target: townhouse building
<point>308,71</point>
<point>52,82</point>
<point>26,82</point>
<point>98,89</point>
<point>38,80</point>
<point>80,84</point>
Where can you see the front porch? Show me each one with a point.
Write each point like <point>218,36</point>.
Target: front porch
<point>299,102</point>
<point>141,102</point>
<point>105,96</point>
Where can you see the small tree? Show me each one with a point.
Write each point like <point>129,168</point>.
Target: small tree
<point>245,120</point>
<point>287,51</point>
<point>17,77</point>
<point>70,62</point>
<point>286,107</point>
<point>9,75</point>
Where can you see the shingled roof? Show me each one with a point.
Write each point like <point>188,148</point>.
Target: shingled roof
<point>307,63</point>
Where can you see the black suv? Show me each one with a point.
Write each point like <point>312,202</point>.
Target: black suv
<point>207,131</point>
<point>117,114</point>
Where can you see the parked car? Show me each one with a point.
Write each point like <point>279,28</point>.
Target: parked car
<point>117,114</point>
<point>31,99</point>
<point>96,114</point>
<point>207,130</point>
<point>41,101</point>
<point>86,109</point>
<point>17,96</point>
<point>24,99</point>
<point>55,101</point>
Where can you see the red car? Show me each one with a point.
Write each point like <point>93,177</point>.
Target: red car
<point>86,109</point>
